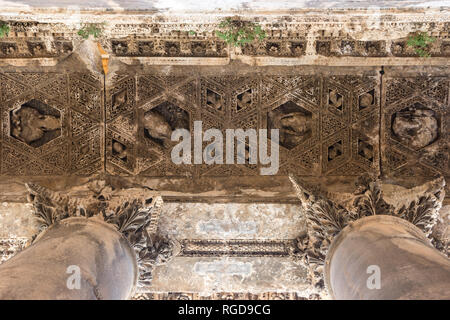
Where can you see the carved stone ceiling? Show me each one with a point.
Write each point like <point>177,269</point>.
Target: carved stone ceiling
<point>59,122</point>
<point>61,117</point>
<point>63,124</point>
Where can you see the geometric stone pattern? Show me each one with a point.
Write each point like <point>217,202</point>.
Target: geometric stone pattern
<point>66,107</point>
<point>339,112</point>
<point>341,115</point>
<point>416,126</point>
<point>291,36</point>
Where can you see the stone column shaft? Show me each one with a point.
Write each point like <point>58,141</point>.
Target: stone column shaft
<point>409,267</point>
<point>45,270</point>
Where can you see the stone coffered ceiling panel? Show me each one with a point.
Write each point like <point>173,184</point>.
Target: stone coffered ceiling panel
<point>50,124</point>
<point>340,114</point>
<point>59,123</point>
<point>415,125</point>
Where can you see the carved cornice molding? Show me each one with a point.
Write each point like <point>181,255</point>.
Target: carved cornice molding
<point>326,218</point>
<point>303,39</point>
<point>134,212</point>
<point>236,248</point>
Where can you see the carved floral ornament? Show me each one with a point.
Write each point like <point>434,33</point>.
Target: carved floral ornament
<point>326,218</point>
<point>134,216</point>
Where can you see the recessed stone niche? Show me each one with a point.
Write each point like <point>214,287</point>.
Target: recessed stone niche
<point>161,121</point>
<point>294,123</point>
<point>366,100</point>
<point>35,123</point>
<point>214,100</point>
<point>415,126</point>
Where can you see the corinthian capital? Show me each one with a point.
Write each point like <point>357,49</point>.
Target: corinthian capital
<point>134,212</point>
<point>326,218</point>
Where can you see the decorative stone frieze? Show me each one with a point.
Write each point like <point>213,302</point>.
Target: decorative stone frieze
<point>371,33</point>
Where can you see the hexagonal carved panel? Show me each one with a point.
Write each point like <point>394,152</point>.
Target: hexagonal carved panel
<point>416,126</point>
<point>366,100</point>
<point>214,100</point>
<point>50,124</point>
<point>335,100</point>
<point>35,123</point>
<point>294,123</point>
<point>161,121</point>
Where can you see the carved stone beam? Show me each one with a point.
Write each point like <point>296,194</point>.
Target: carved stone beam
<point>343,244</point>
<point>103,247</point>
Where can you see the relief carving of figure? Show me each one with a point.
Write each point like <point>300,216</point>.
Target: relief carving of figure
<point>415,126</point>
<point>119,150</point>
<point>119,99</point>
<point>157,126</point>
<point>293,126</point>
<point>160,122</point>
<point>244,100</point>
<point>366,100</point>
<point>29,125</point>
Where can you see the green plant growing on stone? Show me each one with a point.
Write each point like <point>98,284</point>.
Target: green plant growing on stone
<point>420,42</point>
<point>91,29</point>
<point>4,30</point>
<point>238,33</point>
<point>192,33</point>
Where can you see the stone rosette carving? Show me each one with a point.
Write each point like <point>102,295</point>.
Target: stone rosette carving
<point>326,218</point>
<point>133,212</point>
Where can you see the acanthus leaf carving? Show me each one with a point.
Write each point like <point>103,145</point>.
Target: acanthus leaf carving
<point>325,219</point>
<point>369,200</point>
<point>131,215</point>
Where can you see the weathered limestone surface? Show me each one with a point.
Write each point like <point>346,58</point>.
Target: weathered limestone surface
<point>366,101</point>
<point>254,275</point>
<point>231,248</point>
<point>409,267</point>
<point>197,221</point>
<point>17,219</point>
<point>104,259</point>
